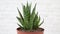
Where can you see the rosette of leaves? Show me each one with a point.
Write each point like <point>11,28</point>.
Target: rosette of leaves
<point>29,20</point>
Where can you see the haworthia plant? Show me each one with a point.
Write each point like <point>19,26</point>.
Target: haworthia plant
<point>29,20</point>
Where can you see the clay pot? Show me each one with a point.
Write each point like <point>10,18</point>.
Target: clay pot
<point>26,32</point>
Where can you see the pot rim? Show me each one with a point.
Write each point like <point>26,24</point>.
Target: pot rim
<point>18,29</point>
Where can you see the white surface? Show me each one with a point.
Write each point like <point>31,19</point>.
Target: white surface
<point>48,9</point>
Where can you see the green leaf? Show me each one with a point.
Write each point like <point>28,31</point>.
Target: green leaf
<point>19,25</point>
<point>20,14</point>
<point>20,20</point>
<point>35,22</point>
<point>41,23</point>
<point>32,17</point>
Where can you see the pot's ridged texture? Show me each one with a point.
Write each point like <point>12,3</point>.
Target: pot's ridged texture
<point>23,32</point>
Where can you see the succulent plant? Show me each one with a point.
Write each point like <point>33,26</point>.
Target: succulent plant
<point>29,20</point>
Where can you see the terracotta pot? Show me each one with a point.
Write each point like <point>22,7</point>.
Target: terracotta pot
<point>26,32</point>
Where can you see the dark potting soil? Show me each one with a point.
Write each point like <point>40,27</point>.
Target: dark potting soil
<point>39,29</point>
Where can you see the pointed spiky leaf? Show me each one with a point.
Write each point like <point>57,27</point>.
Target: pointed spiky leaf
<point>41,23</point>
<point>33,11</point>
<point>19,25</point>
<point>20,20</point>
<point>35,22</point>
<point>32,17</point>
<point>20,14</point>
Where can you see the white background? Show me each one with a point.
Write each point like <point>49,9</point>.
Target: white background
<point>47,9</point>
